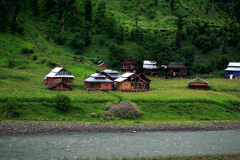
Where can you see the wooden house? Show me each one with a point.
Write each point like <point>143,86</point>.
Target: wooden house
<point>150,68</point>
<point>128,65</point>
<point>176,69</point>
<point>103,65</point>
<point>146,79</point>
<point>97,81</point>
<point>59,86</point>
<point>199,84</point>
<point>111,74</point>
<point>233,70</point>
<point>59,74</point>
<point>131,82</point>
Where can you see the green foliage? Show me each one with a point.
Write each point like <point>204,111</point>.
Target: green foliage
<point>101,40</point>
<point>88,10</point>
<point>62,102</point>
<point>25,51</point>
<point>12,109</point>
<point>34,57</point>
<point>116,55</point>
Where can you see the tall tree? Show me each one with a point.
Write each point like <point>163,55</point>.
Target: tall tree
<point>35,8</point>
<point>213,5</point>
<point>236,9</point>
<point>4,15</point>
<point>62,7</point>
<point>88,10</point>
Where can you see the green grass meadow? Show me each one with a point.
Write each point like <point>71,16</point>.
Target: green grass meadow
<point>167,100</point>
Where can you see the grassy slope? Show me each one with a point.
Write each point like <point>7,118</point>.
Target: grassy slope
<point>27,85</point>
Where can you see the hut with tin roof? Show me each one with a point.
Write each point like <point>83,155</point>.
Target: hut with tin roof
<point>97,81</point>
<point>57,75</point>
<point>198,84</point>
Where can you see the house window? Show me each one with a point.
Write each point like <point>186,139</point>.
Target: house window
<point>125,85</point>
<point>106,85</point>
<point>58,80</point>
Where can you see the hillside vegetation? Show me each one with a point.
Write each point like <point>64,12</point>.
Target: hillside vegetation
<point>37,35</point>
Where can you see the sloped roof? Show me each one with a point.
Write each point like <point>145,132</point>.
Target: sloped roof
<point>56,84</point>
<point>54,74</point>
<point>109,71</point>
<point>198,78</point>
<point>126,75</point>
<point>232,69</point>
<point>149,64</point>
<point>120,79</point>
<point>234,64</point>
<point>97,75</point>
<point>101,64</point>
<point>92,79</point>
<point>176,65</point>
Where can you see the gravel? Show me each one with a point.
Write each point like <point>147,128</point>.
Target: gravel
<point>55,127</point>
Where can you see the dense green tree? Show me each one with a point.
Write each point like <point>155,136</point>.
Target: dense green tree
<point>139,55</point>
<point>236,9</point>
<point>116,54</point>
<point>86,33</point>
<point>35,7</point>
<point>88,10</point>
<point>178,39</point>
<point>120,34</point>
<point>172,5</point>
<point>4,15</point>
<point>188,54</point>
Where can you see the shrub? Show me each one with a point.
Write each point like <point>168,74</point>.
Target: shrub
<point>25,51</point>
<point>93,114</point>
<point>42,60</point>
<point>62,102</point>
<point>12,109</point>
<point>126,110</point>
<point>31,51</point>
<point>101,40</point>
<point>34,57</point>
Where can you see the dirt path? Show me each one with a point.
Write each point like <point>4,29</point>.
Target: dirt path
<point>38,47</point>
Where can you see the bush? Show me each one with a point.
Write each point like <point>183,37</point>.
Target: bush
<point>126,110</point>
<point>12,109</point>
<point>42,60</point>
<point>34,57</point>
<point>101,40</point>
<point>25,51</point>
<point>31,51</point>
<point>93,114</point>
<point>62,102</point>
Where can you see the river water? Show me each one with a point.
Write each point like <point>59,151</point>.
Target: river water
<point>109,145</point>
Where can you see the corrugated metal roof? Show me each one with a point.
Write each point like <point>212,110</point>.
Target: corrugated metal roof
<point>196,79</point>
<point>120,79</point>
<point>232,69</point>
<point>57,69</point>
<point>125,75</point>
<point>149,64</point>
<point>100,64</point>
<point>92,79</point>
<point>97,75</point>
<point>54,72</point>
<point>109,71</point>
<point>234,64</point>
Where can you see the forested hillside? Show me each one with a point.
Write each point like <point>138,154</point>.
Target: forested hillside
<point>35,33</point>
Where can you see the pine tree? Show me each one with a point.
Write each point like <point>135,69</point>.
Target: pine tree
<point>35,7</point>
<point>236,9</point>
<point>88,10</point>
<point>4,15</point>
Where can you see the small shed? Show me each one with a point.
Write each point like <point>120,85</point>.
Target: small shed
<point>103,65</point>
<point>176,69</point>
<point>97,81</point>
<point>59,86</point>
<point>198,84</point>
<point>233,70</point>
<point>128,65</point>
<point>131,82</point>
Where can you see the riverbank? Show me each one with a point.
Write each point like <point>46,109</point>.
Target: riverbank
<point>55,127</point>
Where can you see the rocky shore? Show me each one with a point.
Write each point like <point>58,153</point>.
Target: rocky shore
<point>51,127</point>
